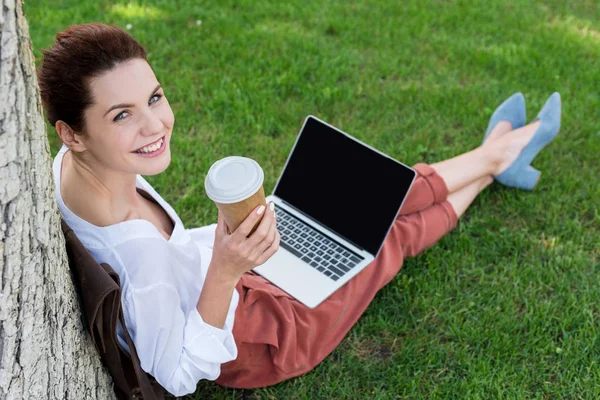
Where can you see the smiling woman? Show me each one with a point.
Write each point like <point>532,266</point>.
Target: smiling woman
<point>181,287</point>
<point>112,115</point>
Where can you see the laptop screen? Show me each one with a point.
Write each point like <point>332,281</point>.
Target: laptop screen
<point>350,188</point>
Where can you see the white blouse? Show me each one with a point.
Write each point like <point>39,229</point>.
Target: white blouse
<point>161,281</point>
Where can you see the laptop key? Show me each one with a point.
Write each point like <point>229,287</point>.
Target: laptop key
<point>327,257</point>
<point>306,259</point>
<point>346,254</point>
<point>314,264</point>
<point>311,254</point>
<point>297,246</point>
<point>334,269</point>
<point>321,269</point>
<point>328,273</point>
<point>355,259</point>
<point>291,249</point>
<point>319,252</point>
<point>304,250</point>
<point>334,277</point>
<point>343,267</point>
<point>317,258</point>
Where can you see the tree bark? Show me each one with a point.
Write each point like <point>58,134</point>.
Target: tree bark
<point>45,351</point>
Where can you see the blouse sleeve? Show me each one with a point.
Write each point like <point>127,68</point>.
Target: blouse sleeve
<point>177,349</point>
<point>174,344</point>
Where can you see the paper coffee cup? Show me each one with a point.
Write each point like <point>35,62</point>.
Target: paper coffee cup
<point>235,184</point>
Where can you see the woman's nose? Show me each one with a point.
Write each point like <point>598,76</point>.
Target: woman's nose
<point>152,123</point>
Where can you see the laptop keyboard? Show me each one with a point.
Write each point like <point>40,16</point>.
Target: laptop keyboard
<point>308,244</point>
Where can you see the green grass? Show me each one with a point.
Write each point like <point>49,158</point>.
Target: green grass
<point>505,306</point>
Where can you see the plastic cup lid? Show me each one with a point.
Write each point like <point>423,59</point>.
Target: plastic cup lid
<point>233,179</point>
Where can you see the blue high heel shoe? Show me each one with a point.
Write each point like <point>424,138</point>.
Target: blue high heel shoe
<point>511,110</point>
<point>520,174</point>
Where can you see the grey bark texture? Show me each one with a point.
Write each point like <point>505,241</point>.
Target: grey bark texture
<point>45,351</point>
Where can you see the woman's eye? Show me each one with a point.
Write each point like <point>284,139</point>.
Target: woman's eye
<point>158,96</point>
<point>118,115</point>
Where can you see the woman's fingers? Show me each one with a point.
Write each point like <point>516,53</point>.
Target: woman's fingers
<point>245,227</point>
<point>263,229</point>
<point>270,250</point>
<point>269,239</point>
<point>264,241</point>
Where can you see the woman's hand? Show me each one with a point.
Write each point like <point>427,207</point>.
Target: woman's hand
<point>235,254</point>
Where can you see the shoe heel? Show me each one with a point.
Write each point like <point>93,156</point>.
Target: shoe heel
<point>532,177</point>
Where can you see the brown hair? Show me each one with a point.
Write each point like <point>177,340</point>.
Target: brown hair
<point>81,53</point>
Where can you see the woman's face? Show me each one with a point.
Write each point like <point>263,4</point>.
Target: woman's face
<point>129,112</point>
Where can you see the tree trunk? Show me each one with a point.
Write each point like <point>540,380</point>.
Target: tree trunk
<point>45,351</point>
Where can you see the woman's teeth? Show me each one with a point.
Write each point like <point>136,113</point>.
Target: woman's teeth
<point>150,149</point>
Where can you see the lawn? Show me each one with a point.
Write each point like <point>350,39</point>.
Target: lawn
<point>505,306</point>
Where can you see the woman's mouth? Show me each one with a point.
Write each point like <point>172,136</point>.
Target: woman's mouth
<point>152,149</point>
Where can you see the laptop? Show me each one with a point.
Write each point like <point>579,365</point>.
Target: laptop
<point>335,200</point>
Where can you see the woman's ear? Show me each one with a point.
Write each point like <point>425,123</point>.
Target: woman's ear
<point>69,137</point>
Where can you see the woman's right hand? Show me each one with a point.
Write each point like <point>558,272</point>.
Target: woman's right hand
<point>235,254</point>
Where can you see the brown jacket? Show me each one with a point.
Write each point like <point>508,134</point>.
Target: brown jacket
<point>100,294</point>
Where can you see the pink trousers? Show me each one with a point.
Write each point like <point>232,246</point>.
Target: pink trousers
<point>279,338</point>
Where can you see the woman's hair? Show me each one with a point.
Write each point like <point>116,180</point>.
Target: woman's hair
<point>81,53</point>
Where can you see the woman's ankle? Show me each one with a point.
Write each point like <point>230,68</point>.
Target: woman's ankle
<point>493,155</point>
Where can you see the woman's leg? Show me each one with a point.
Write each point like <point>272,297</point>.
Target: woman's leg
<point>466,168</point>
<point>478,165</point>
<point>499,151</point>
<point>463,197</point>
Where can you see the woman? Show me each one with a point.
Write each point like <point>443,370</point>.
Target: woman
<point>182,289</point>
